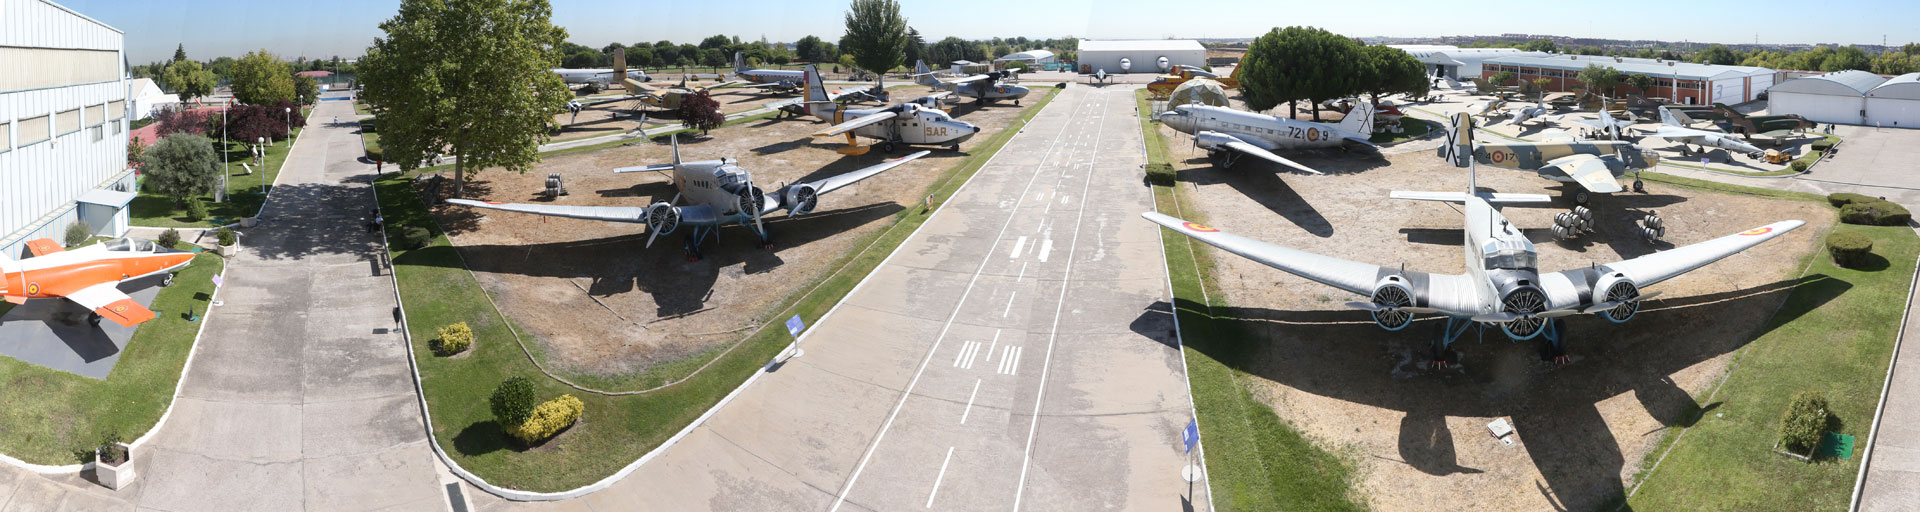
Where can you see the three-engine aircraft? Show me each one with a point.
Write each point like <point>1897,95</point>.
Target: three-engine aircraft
<point>1596,166</point>
<point>906,123</point>
<point>1227,133</point>
<point>986,87</point>
<point>1502,287</point>
<point>719,191</point>
<point>1672,129</point>
<point>90,276</point>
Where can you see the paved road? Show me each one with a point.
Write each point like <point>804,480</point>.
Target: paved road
<point>300,396</point>
<point>1015,354</point>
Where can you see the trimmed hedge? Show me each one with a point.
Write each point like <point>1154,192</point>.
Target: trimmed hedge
<point>549,419</point>
<point>1798,166</point>
<point>1849,249</point>
<point>1875,213</point>
<point>1845,198</point>
<point>452,339</point>
<point>512,402</point>
<point>1803,422</point>
<point>414,237</point>
<point>1160,174</point>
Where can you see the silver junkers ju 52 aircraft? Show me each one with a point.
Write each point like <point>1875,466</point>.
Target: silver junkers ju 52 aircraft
<point>1502,286</point>
<point>721,192</point>
<point>1226,133</point>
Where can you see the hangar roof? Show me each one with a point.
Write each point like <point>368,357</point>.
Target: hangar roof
<point>1906,87</point>
<point>1139,45</point>
<point>1027,55</point>
<point>1635,65</point>
<point>1838,83</point>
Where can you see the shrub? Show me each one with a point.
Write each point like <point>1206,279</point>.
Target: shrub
<point>1017,65</point>
<point>1160,174</point>
<point>181,166</point>
<point>1804,421</point>
<point>414,237</point>
<point>1822,145</point>
<point>169,238</point>
<point>110,451</point>
<point>453,339</point>
<point>1798,166</point>
<point>1849,249</point>
<point>1843,198</point>
<point>196,210</point>
<point>376,154</point>
<point>78,233</point>
<point>224,236</point>
<point>549,419</point>
<point>1874,213</point>
<point>512,402</point>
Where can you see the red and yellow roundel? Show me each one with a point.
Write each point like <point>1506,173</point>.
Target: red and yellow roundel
<point>119,309</point>
<point>1201,228</point>
<point>1313,134</point>
<point>1499,156</point>
<point>1757,231</point>
<point>33,289</point>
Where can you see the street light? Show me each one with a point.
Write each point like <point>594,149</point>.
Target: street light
<point>289,116</point>
<point>260,159</point>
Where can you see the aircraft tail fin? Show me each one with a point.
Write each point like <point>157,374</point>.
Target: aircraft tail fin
<point>922,75</point>
<point>1359,120</point>
<point>815,89</point>
<point>1666,118</point>
<point>619,65</point>
<point>1457,148</point>
<point>739,62</point>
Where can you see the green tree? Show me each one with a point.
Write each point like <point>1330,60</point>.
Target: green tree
<point>1502,78</point>
<point>259,78</point>
<point>1600,78</point>
<point>1641,83</point>
<point>948,50</point>
<point>1299,63</point>
<point>812,49</point>
<point>876,35</point>
<point>1540,45</point>
<point>187,79</point>
<point>512,402</point>
<point>305,89</point>
<point>916,47</point>
<point>699,111</point>
<point>1851,57</point>
<point>435,83</point>
<point>180,52</point>
<point>1391,71</point>
<point>1538,86</point>
<point>180,166</point>
<point>1716,54</point>
<point>720,42</point>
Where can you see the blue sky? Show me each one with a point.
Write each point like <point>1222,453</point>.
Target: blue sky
<point>345,27</point>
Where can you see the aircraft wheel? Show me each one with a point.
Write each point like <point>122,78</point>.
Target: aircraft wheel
<point>887,146</point>
<point>168,281</point>
<point>1581,197</point>
<point>955,148</point>
<point>93,318</point>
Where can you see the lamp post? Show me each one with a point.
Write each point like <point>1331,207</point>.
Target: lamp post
<point>260,159</point>
<point>289,118</point>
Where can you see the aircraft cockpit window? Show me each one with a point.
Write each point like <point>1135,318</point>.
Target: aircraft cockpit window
<point>143,246</point>
<point>119,245</point>
<point>1511,259</point>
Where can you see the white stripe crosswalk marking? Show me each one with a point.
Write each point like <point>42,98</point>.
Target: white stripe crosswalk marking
<point>1018,245</point>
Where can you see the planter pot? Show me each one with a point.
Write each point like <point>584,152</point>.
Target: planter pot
<point>115,476</point>
<point>228,251</point>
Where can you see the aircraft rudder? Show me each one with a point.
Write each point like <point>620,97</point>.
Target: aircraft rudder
<point>739,62</point>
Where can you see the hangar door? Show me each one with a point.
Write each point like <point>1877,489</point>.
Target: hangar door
<point>1893,112</point>
<point>1816,107</point>
<point>1730,90</point>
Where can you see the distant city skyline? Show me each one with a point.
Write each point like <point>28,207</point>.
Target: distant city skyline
<point>213,28</point>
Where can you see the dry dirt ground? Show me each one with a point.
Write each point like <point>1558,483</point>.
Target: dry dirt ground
<point>658,307</point>
<point>1420,436</point>
<point>618,117</point>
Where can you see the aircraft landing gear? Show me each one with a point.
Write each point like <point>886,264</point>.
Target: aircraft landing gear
<point>1581,197</point>
<point>694,239</point>
<point>1553,346</point>
<point>168,281</point>
<point>1442,356</point>
<point>93,319</point>
<point>1224,158</point>
<point>887,146</point>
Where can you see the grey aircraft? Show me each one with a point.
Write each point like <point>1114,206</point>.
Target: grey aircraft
<point>1674,130</point>
<point>718,192</point>
<point>1227,133</point>
<point>1596,166</point>
<point>906,123</point>
<point>987,87</point>
<point>1503,285</point>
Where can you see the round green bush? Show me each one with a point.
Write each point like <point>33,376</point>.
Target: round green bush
<point>1803,422</point>
<point>1798,166</point>
<point>224,236</point>
<point>452,339</point>
<point>512,402</point>
<point>1022,66</point>
<point>1160,174</point>
<point>78,233</point>
<point>415,237</point>
<point>1874,213</point>
<point>169,238</point>
<point>1849,249</point>
<point>196,210</point>
<point>1845,198</point>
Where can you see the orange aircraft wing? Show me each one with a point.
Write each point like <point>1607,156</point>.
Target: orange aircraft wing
<point>43,247</point>
<point>106,300</point>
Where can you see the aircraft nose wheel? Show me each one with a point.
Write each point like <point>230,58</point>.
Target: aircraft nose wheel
<point>94,319</point>
<point>168,281</point>
<point>887,146</point>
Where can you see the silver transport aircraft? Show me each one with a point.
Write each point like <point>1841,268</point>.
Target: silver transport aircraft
<point>1502,286</point>
<point>718,192</point>
<point>1227,134</point>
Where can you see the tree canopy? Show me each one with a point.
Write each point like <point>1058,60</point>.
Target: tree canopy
<point>1601,78</point>
<point>876,34</point>
<point>187,79</point>
<point>1299,63</point>
<point>259,78</point>
<point>1389,70</point>
<point>180,166</point>
<point>306,90</point>
<point>435,81</point>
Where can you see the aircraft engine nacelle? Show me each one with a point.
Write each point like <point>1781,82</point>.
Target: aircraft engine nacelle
<point>801,199</point>
<point>1391,294</point>
<point>662,218</point>
<point>1524,300</point>
<point>1209,140</point>
<point>752,199</point>
<point>1616,288</point>
<point>1164,65</point>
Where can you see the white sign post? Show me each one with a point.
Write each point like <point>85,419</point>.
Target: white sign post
<point>794,326</point>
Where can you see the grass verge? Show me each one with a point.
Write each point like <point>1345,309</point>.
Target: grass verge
<point>55,418</point>
<point>1834,335</point>
<point>1410,129</point>
<point>1255,460</point>
<point>245,192</point>
<point>437,290</point>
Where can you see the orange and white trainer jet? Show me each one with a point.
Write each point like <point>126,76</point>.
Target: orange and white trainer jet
<point>90,275</point>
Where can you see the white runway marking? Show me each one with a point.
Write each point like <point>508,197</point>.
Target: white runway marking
<point>1010,296</point>
<point>938,478</point>
<point>1046,249</point>
<point>1017,246</point>
<point>1010,360</point>
<point>996,343</point>
<point>1023,273</point>
<point>963,353</point>
<point>976,392</point>
<point>972,352</point>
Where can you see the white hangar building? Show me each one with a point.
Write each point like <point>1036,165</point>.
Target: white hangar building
<point>1837,97</point>
<point>63,124</point>
<point>1140,56</point>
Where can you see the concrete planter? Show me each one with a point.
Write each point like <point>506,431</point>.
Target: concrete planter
<point>227,251</point>
<point>115,476</point>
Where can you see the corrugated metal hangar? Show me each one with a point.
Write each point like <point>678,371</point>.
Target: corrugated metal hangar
<point>1843,97</point>
<point>63,122</point>
<point>1140,56</point>
<point>1895,103</point>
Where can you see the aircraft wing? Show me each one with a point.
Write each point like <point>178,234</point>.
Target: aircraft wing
<point>970,79</point>
<point>1449,294</point>
<point>641,168</point>
<point>43,247</point>
<point>835,182</point>
<point>1677,133</point>
<point>106,300</point>
<point>1243,146</point>
<point>1653,268</point>
<point>633,214</point>
<point>1461,197</point>
<point>856,123</point>
<point>1589,171</point>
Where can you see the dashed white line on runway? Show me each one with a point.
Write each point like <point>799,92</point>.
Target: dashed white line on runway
<point>1010,296</point>
<point>938,478</point>
<point>1023,273</point>
<point>976,392</point>
<point>1017,246</point>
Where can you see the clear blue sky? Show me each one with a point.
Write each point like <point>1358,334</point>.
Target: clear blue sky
<point>346,27</point>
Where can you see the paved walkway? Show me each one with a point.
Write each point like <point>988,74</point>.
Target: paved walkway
<point>300,396</point>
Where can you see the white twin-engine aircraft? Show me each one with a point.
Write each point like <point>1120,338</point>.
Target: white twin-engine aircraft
<point>1502,286</point>
<point>1227,133</point>
<point>905,123</point>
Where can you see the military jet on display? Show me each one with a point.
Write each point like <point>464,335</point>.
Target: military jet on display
<point>90,276</point>
<point>1596,166</point>
<point>720,193</point>
<point>1672,129</point>
<point>1503,286</point>
<point>906,123</point>
<point>1607,125</point>
<point>1482,86</point>
<point>1227,133</point>
<point>600,77</point>
<point>1771,126</point>
<point>987,87</point>
<point>1100,76</point>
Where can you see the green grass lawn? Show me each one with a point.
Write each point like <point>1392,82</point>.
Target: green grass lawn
<point>1255,460</point>
<point>244,196</point>
<point>615,430</point>
<point>1411,129</point>
<point>1834,335</point>
<point>56,418</point>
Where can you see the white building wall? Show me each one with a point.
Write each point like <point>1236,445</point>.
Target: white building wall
<point>1893,112</point>
<point>39,24</point>
<point>1817,107</point>
<point>1144,61</point>
<point>1730,91</point>
<point>39,182</point>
